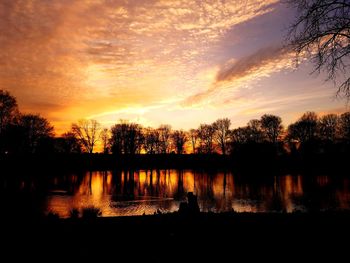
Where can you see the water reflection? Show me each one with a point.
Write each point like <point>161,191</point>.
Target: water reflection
<point>121,193</point>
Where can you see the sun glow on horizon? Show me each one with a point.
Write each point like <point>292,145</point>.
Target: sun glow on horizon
<point>174,62</point>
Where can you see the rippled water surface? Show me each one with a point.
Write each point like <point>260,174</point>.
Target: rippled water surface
<point>145,192</point>
<point>120,193</point>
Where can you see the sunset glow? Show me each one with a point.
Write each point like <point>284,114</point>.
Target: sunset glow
<point>153,62</point>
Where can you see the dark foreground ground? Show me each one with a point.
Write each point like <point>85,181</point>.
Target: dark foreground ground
<point>227,237</point>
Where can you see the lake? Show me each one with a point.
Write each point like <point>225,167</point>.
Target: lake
<point>126,193</point>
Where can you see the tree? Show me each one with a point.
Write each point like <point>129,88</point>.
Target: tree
<point>164,138</point>
<point>344,126</point>
<point>322,32</point>
<point>88,133</point>
<point>8,109</point>
<point>327,127</point>
<point>179,140</point>
<point>305,129</point>
<point>206,136</point>
<point>240,135</point>
<point>35,130</point>
<point>255,131</point>
<point>151,141</point>
<point>222,129</point>
<point>193,134</point>
<point>126,138</point>
<point>105,140</point>
<point>272,127</point>
<point>67,143</point>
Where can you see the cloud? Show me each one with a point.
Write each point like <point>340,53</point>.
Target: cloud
<point>236,69</point>
<point>241,73</point>
<point>78,53</point>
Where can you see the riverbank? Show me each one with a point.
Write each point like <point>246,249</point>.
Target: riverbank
<point>286,163</point>
<point>174,238</point>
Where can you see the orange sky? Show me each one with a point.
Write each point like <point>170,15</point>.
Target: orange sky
<point>176,62</point>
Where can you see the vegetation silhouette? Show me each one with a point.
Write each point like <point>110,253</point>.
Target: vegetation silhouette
<point>311,141</point>
<point>321,32</point>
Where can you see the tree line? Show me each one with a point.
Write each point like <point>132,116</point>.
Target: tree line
<point>32,134</point>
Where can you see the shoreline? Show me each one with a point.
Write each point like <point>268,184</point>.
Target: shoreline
<point>314,163</point>
<point>171,237</point>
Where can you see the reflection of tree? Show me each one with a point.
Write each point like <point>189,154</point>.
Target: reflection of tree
<point>90,182</point>
<point>224,185</point>
<point>320,196</point>
<point>180,193</point>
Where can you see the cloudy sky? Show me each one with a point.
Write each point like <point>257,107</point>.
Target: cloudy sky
<point>180,62</point>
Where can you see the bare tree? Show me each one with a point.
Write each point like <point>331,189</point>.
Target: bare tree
<point>344,126</point>
<point>305,129</point>
<point>105,140</point>
<point>35,129</point>
<point>322,32</point>
<point>222,130</point>
<point>240,135</point>
<point>179,140</point>
<point>327,127</point>
<point>126,138</point>
<point>8,109</point>
<point>68,143</point>
<point>88,133</point>
<point>193,134</point>
<point>272,127</point>
<point>164,138</point>
<point>151,140</point>
<point>255,131</point>
<point>206,137</point>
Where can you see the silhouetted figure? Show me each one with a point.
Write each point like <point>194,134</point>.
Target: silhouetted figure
<point>191,207</point>
<point>183,209</point>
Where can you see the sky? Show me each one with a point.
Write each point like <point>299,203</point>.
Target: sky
<point>177,62</point>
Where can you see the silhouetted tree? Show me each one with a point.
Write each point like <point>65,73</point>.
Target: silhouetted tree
<point>206,136</point>
<point>179,141</point>
<point>88,133</point>
<point>240,135</point>
<point>222,130</point>
<point>322,31</point>
<point>67,143</point>
<point>327,127</point>
<point>8,110</point>
<point>255,131</point>
<point>193,134</point>
<point>126,138</point>
<point>271,126</point>
<point>344,126</point>
<point>151,141</point>
<point>105,140</point>
<point>35,130</point>
<point>164,138</point>
<point>305,129</point>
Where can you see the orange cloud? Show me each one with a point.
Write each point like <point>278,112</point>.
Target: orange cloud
<point>74,59</point>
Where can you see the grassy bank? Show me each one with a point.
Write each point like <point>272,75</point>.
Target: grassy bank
<point>224,237</point>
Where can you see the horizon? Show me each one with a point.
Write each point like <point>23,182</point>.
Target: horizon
<point>154,61</point>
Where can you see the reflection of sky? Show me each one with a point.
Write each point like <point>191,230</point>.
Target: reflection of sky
<point>120,193</point>
<point>155,61</point>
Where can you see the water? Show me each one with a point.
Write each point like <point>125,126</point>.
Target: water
<point>148,191</point>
